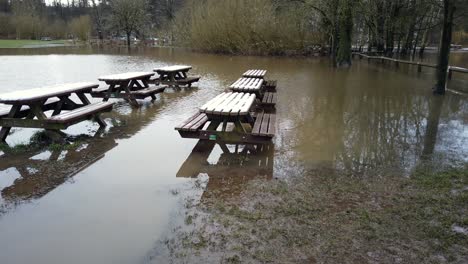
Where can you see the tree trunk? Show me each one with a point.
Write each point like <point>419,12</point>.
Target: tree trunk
<point>343,56</point>
<point>432,127</point>
<point>128,39</point>
<point>444,48</point>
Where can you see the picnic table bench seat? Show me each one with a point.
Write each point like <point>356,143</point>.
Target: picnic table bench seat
<point>86,112</point>
<point>268,101</point>
<point>270,85</point>
<point>194,123</point>
<point>185,81</point>
<point>264,125</point>
<point>101,92</point>
<point>262,132</point>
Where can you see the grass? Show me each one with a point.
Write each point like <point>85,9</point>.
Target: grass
<point>13,43</point>
<point>327,216</point>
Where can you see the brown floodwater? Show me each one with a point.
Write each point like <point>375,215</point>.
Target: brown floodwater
<point>111,196</point>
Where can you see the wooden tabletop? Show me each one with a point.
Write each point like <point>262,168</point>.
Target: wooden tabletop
<point>126,76</point>
<point>247,85</point>
<point>39,94</point>
<point>229,104</point>
<point>255,73</point>
<point>174,68</point>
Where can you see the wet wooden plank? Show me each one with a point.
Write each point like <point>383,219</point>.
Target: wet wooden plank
<point>271,125</point>
<point>173,68</point>
<point>188,125</point>
<point>264,127</point>
<point>80,112</point>
<point>257,124</point>
<point>198,125</point>
<point>187,121</point>
<point>255,73</point>
<point>126,76</point>
<point>39,94</point>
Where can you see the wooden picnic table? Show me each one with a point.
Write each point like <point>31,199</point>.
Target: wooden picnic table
<point>129,86</point>
<point>235,108</point>
<point>265,96</point>
<point>247,85</point>
<point>255,73</point>
<point>28,107</point>
<point>175,75</point>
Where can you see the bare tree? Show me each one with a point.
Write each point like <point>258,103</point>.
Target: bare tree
<point>129,15</point>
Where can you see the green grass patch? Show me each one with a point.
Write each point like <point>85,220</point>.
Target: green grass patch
<point>21,43</point>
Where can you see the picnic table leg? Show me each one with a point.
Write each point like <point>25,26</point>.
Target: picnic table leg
<point>58,108</point>
<point>14,111</point>
<point>55,135</point>
<point>97,117</point>
<point>145,82</point>
<point>173,79</point>
<point>213,125</point>
<point>109,92</point>
<point>224,148</point>
<point>83,98</point>
<point>137,84</point>
<point>129,94</point>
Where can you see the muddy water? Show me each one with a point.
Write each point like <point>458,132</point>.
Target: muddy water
<point>111,196</point>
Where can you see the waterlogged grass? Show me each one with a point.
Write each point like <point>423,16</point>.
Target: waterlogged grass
<point>13,43</point>
<point>40,141</point>
<point>330,217</point>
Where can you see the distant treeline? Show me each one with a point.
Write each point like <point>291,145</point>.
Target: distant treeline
<point>282,26</point>
<point>83,19</point>
<point>243,26</point>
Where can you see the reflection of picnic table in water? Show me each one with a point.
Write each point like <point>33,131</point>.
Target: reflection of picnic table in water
<point>234,168</point>
<point>40,176</point>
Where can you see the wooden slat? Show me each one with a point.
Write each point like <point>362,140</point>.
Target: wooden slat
<point>193,122</point>
<point>271,125</point>
<point>126,76</point>
<point>80,112</point>
<point>224,100</point>
<point>257,124</point>
<point>214,101</point>
<point>174,68</point>
<point>187,121</point>
<point>247,105</point>
<point>273,98</point>
<point>264,127</point>
<point>200,123</point>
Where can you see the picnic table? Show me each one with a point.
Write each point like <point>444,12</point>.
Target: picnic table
<point>266,97</point>
<point>175,75</point>
<point>129,86</point>
<point>230,107</point>
<point>255,73</point>
<point>268,85</point>
<point>27,108</point>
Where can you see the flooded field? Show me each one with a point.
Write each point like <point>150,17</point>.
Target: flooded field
<point>112,196</point>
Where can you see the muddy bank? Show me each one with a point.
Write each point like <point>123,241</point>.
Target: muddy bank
<point>328,216</point>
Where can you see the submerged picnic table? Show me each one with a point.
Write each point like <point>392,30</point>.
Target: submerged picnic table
<point>27,108</point>
<point>266,97</point>
<point>230,107</point>
<point>255,73</point>
<point>268,85</point>
<point>129,86</point>
<point>175,75</point>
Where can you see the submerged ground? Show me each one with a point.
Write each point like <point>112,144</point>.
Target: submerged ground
<point>367,167</point>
